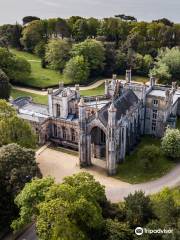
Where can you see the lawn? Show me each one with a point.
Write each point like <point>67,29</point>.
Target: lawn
<point>135,78</point>
<point>93,92</point>
<point>130,171</point>
<point>36,98</point>
<point>40,77</point>
<point>44,78</point>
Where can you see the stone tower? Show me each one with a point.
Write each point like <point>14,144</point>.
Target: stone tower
<point>111,148</point>
<point>84,147</point>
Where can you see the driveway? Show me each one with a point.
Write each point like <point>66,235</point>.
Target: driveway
<point>60,165</point>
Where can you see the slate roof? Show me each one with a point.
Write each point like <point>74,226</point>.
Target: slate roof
<point>122,104</point>
<point>21,101</point>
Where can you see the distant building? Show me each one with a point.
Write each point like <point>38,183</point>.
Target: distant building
<point>107,126</point>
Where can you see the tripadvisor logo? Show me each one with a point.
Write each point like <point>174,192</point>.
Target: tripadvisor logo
<point>139,231</point>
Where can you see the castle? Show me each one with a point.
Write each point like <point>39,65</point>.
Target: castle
<point>105,127</point>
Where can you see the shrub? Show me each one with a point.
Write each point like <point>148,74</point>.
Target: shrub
<point>148,156</point>
<point>171,143</point>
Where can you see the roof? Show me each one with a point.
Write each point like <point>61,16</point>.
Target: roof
<point>158,93</point>
<point>122,104</point>
<point>32,118</point>
<point>35,109</point>
<point>21,101</point>
<point>99,103</point>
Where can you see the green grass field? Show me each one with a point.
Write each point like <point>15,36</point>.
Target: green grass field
<point>36,98</point>
<point>130,171</point>
<point>40,77</point>
<point>93,92</point>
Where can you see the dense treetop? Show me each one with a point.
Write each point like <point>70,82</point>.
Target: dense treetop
<point>108,45</point>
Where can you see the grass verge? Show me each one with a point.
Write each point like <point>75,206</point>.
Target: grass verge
<point>36,98</point>
<point>131,171</point>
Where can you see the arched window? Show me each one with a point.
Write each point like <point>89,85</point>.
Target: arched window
<point>64,133</point>
<point>73,135</point>
<point>55,130</point>
<point>58,111</point>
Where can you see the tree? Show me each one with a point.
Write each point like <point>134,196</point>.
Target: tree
<point>11,35</point>
<point>20,71</point>
<point>40,49</point>
<point>70,210</point>
<point>62,28</point>
<point>110,59</point>
<point>168,63</point>
<point>115,230</point>
<point>161,71</point>
<point>16,68</point>
<point>17,167</point>
<point>29,19</point>
<point>29,201</point>
<point>165,207</point>
<point>126,18</point>
<point>80,29</point>
<point>14,129</point>
<point>121,61</point>
<point>5,87</point>
<point>93,25</point>
<point>57,53</point>
<point>170,143</point>
<point>149,156</point>
<point>110,28</point>
<point>93,52</point>
<point>32,34</point>
<point>165,21</point>
<point>77,70</point>
<point>138,209</point>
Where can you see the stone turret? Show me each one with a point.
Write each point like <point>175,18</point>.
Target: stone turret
<point>83,149</point>
<point>65,108</point>
<point>111,162</point>
<point>61,85</point>
<point>114,79</point>
<point>152,81</point>
<point>106,87</point>
<point>82,109</point>
<point>128,76</point>
<point>77,90</point>
<point>50,101</point>
<point>174,86</point>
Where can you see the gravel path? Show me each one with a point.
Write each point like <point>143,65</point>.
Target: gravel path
<point>59,165</point>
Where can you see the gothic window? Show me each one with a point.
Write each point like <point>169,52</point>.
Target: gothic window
<point>55,130</point>
<point>154,116</point>
<point>73,135</point>
<point>103,137</point>
<point>153,125</point>
<point>155,102</point>
<point>58,112</point>
<point>123,135</point>
<point>70,110</point>
<point>64,133</point>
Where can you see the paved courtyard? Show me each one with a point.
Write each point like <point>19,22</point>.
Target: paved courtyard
<point>60,165</point>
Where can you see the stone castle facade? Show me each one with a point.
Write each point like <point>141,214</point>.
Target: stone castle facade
<point>105,127</point>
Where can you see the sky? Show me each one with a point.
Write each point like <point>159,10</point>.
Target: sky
<point>14,10</point>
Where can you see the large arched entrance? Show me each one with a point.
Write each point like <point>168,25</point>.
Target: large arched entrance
<point>98,147</point>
